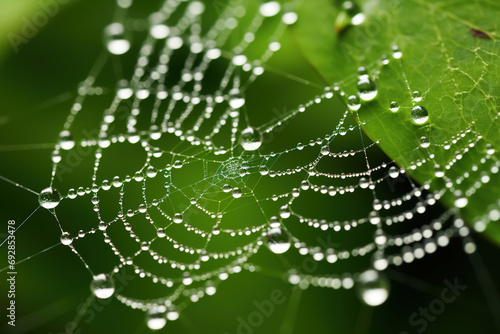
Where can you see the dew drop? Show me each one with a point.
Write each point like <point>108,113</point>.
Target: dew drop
<point>325,150</point>
<point>160,233</point>
<point>416,96</point>
<point>151,172</point>
<point>155,318</point>
<point>236,193</point>
<point>393,172</point>
<point>419,115</point>
<point>270,8</point>
<point>102,286</point>
<point>380,237</point>
<point>115,39</point>
<point>424,142</point>
<point>285,212</point>
<point>461,202</point>
<point>177,218</point>
<point>56,157</point>
<point>251,139</point>
<point>49,198</point>
<point>236,100</point>
<point>172,315</point>
<point>394,106</point>
<point>358,19</point>
<point>66,140</point>
<point>373,288</point>
<point>72,193</point>
<point>367,89</point>
<point>289,18</point>
<point>66,239</point>
<point>353,103</point>
<point>438,171</point>
<point>396,53</point>
<point>364,182</point>
<point>159,31</point>
<point>278,240</point>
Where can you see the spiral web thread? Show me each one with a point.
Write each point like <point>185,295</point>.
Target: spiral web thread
<point>185,124</point>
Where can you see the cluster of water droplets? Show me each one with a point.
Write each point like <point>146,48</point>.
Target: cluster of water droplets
<point>239,158</point>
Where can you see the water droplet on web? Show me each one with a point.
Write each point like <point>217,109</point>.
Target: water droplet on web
<point>49,198</point>
<point>72,193</point>
<point>103,140</point>
<point>172,315</point>
<point>364,182</point>
<point>251,139</point>
<point>177,218</point>
<point>284,212</point>
<point>358,19</point>
<point>278,240</point>
<point>159,31</point>
<point>66,141</point>
<point>151,172</point>
<point>102,286</point>
<point>270,8</point>
<point>236,100</point>
<point>373,288</point>
<point>353,103</point>
<point>424,142</point>
<point>380,237</point>
<point>461,202</point>
<point>377,205</point>
<point>56,156</point>
<point>115,39</point>
<point>416,96</point>
<point>419,115</point>
<point>236,193</point>
<point>367,89</point>
<point>396,53</point>
<point>66,239</point>
<point>263,170</point>
<point>393,172</point>
<point>394,106</point>
<point>160,233</point>
<point>289,18</point>
<point>155,318</point>
<point>196,8</point>
<point>438,171</point>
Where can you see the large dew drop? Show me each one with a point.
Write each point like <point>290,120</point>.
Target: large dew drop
<point>49,198</point>
<point>270,8</point>
<point>66,239</point>
<point>394,106</point>
<point>115,39</point>
<point>156,318</point>
<point>367,89</point>
<point>373,288</point>
<point>419,115</point>
<point>236,100</point>
<point>251,139</point>
<point>278,240</point>
<point>178,218</point>
<point>102,286</point>
<point>353,103</point>
<point>66,141</point>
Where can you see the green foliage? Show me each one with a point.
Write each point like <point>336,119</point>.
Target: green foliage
<point>450,55</point>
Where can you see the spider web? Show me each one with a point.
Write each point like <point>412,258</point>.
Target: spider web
<point>184,186</point>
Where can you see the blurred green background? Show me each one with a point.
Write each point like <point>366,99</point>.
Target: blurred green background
<point>37,87</point>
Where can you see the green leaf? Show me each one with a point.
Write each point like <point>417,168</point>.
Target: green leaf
<point>450,55</point>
